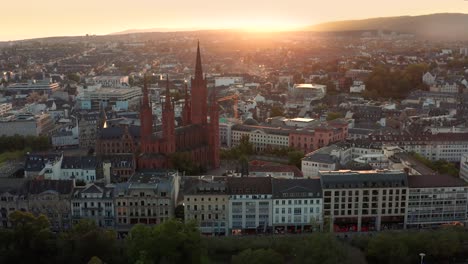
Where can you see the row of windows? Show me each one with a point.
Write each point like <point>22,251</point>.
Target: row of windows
<point>296,211</point>
<point>296,202</point>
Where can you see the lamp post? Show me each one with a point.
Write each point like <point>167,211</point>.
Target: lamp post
<point>422,255</point>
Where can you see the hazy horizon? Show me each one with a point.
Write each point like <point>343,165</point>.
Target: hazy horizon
<point>50,18</point>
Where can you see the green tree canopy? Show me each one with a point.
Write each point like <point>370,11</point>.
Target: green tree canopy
<point>169,242</point>
<point>258,256</point>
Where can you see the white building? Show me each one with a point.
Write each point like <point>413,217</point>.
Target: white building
<point>262,137</point>
<point>79,168</point>
<point>429,79</point>
<point>109,81</point>
<point>464,167</point>
<point>444,88</point>
<point>228,81</point>
<point>94,202</point>
<point>441,146</point>
<point>436,200</point>
<point>357,87</point>
<point>250,205</point>
<point>297,205</point>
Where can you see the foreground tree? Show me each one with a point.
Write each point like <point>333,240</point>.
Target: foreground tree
<point>169,242</point>
<point>258,256</point>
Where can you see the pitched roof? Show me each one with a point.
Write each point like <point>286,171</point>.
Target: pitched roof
<point>249,185</point>
<point>295,188</point>
<point>40,186</point>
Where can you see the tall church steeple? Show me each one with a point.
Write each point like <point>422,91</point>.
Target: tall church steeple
<point>146,114</point>
<point>199,93</point>
<point>168,121</point>
<point>186,115</point>
<point>198,64</point>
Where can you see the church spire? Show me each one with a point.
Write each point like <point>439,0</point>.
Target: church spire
<point>198,64</point>
<point>145,92</point>
<point>167,103</point>
<point>187,107</point>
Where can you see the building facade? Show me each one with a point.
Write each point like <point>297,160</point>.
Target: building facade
<point>250,208</point>
<point>147,198</point>
<point>206,202</point>
<point>436,200</point>
<point>356,201</point>
<point>95,202</point>
<point>297,205</point>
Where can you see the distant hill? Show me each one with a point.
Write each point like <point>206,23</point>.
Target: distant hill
<point>449,26</point>
<point>133,31</point>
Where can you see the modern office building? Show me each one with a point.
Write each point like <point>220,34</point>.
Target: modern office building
<point>357,201</point>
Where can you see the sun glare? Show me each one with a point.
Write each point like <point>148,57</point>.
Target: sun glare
<point>268,26</point>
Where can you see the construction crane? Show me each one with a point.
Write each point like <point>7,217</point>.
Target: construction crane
<point>235,99</point>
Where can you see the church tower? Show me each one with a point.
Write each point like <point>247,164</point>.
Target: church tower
<point>214,131</point>
<point>168,122</point>
<point>186,112</point>
<point>199,93</point>
<point>146,120</point>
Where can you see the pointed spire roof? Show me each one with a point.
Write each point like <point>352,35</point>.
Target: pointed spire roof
<point>167,102</point>
<point>198,64</point>
<point>145,91</point>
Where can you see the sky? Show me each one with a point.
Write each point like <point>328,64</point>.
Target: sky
<point>43,18</point>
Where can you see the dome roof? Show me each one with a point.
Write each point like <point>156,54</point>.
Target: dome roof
<point>251,122</point>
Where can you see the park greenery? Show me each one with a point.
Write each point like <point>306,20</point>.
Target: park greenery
<point>441,166</point>
<point>17,142</point>
<point>15,147</point>
<point>30,240</point>
<point>384,82</point>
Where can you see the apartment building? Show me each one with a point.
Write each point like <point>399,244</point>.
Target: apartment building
<point>79,168</point>
<point>12,198</point>
<point>356,201</point>
<point>262,137</point>
<point>206,202</point>
<point>95,202</point>
<point>147,198</point>
<point>297,205</point>
<point>250,205</point>
<point>50,198</point>
<point>441,146</point>
<point>464,167</point>
<point>436,200</point>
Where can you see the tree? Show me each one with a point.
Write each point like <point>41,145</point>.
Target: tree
<point>320,248</point>
<point>74,77</point>
<point>86,240</point>
<point>258,256</point>
<point>295,158</point>
<point>276,111</point>
<point>182,161</point>
<point>333,115</point>
<point>169,242</point>
<point>30,240</point>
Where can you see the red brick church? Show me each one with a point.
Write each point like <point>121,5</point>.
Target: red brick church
<point>198,135</point>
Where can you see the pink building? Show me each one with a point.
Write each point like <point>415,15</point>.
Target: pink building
<point>308,140</point>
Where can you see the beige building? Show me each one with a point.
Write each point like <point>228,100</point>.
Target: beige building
<point>356,201</point>
<point>52,199</point>
<point>206,202</point>
<point>147,198</point>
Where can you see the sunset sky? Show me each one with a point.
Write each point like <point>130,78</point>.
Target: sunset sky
<point>33,18</point>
